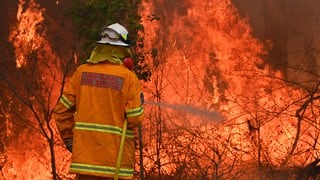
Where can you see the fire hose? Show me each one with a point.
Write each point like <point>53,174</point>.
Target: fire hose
<point>123,139</point>
<point>128,62</point>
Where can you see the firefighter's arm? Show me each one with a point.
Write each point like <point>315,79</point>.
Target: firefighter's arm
<point>134,109</point>
<point>64,112</point>
<point>65,122</point>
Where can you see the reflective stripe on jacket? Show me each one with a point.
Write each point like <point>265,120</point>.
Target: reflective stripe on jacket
<point>92,110</point>
<point>102,170</point>
<point>101,128</point>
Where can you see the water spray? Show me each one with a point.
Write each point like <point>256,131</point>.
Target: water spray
<point>215,115</point>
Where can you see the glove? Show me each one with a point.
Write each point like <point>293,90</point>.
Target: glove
<point>68,143</point>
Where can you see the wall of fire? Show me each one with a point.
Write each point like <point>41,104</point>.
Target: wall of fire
<point>291,25</point>
<point>16,138</point>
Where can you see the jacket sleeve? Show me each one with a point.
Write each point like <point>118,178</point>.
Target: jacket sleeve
<point>134,102</point>
<point>65,109</point>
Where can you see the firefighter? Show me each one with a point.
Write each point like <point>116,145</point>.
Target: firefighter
<point>102,95</point>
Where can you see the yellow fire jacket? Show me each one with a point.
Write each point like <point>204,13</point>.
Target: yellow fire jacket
<point>92,110</point>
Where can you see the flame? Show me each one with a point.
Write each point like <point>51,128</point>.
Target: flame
<point>27,34</point>
<point>30,36</point>
<point>29,150</point>
<point>208,58</point>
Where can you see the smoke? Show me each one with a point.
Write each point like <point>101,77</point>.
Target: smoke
<point>213,115</point>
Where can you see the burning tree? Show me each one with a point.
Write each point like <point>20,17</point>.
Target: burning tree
<point>32,104</point>
<point>32,79</point>
<point>271,122</point>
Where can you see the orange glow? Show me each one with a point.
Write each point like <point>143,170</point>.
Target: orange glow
<point>29,36</point>
<point>28,156</point>
<point>209,59</point>
<point>27,33</point>
<point>207,62</point>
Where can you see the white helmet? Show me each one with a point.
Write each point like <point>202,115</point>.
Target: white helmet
<point>114,34</point>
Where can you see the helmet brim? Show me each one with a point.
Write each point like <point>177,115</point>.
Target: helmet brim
<point>113,42</point>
